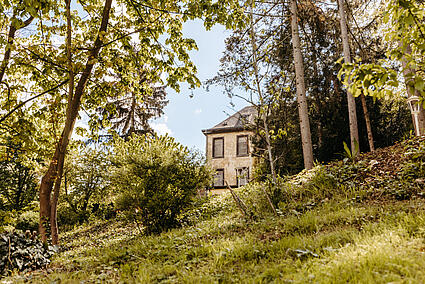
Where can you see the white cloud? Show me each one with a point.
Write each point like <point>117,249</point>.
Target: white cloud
<point>161,128</point>
<point>198,111</point>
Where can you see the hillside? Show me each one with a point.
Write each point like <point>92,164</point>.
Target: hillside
<point>359,220</point>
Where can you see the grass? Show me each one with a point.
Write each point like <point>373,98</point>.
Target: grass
<point>331,230</point>
<point>329,244</point>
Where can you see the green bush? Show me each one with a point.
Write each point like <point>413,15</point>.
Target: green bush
<point>18,252</point>
<point>6,220</point>
<point>414,166</point>
<point>18,186</point>
<point>103,211</point>
<point>157,179</point>
<point>28,220</point>
<point>85,188</point>
<point>67,217</point>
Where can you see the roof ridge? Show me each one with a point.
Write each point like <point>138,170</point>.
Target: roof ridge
<point>235,121</point>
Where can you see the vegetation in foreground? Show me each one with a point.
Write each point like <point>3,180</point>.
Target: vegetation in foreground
<point>351,221</point>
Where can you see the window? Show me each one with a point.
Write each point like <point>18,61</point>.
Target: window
<point>242,176</point>
<point>242,145</point>
<point>218,147</point>
<point>219,177</point>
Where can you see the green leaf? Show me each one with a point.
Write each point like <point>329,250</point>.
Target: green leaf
<point>419,84</point>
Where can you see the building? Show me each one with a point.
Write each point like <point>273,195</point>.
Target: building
<point>228,149</point>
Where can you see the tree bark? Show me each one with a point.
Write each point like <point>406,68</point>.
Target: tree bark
<point>407,74</point>
<point>352,116</point>
<point>301,97</point>
<point>56,164</point>
<point>368,125</point>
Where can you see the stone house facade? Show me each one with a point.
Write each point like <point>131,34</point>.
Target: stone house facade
<point>228,149</point>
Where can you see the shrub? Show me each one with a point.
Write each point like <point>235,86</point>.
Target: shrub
<point>28,220</point>
<point>414,166</point>
<point>22,253</point>
<point>18,186</point>
<point>104,211</point>
<point>85,186</point>
<point>157,179</point>
<point>6,220</point>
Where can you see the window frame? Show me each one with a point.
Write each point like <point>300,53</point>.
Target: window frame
<point>243,170</point>
<point>214,156</point>
<point>222,180</point>
<point>237,146</point>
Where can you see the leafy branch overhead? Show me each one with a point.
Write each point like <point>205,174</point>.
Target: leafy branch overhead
<point>98,48</point>
<point>368,79</point>
<point>404,32</point>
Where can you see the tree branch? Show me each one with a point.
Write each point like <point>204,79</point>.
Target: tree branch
<point>30,99</point>
<point>10,39</point>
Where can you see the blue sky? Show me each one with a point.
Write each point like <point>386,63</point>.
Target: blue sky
<point>185,117</point>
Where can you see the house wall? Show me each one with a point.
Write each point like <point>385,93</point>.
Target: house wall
<point>230,161</point>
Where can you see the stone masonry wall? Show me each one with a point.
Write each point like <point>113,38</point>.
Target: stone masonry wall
<point>230,161</point>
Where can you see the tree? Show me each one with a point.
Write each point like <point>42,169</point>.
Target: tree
<point>157,179</point>
<point>248,64</point>
<point>262,113</point>
<point>320,34</point>
<point>301,97</point>
<point>407,17</point>
<point>131,113</point>
<point>409,73</point>
<point>344,35</point>
<point>354,132</point>
<point>92,43</point>
<point>404,34</point>
<point>18,187</point>
<point>86,181</point>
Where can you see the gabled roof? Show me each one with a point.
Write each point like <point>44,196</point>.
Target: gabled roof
<point>239,121</point>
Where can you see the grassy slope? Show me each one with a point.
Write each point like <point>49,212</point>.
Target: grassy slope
<point>348,222</point>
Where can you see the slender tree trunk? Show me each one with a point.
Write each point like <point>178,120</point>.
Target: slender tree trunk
<point>407,74</point>
<point>56,164</point>
<point>262,117</point>
<point>58,180</point>
<point>368,125</point>
<point>10,40</point>
<point>260,95</point>
<point>352,116</point>
<point>54,203</point>
<point>301,97</point>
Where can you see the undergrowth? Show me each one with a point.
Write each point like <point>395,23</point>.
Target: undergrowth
<point>359,221</point>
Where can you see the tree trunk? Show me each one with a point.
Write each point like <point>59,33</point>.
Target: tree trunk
<point>58,180</point>
<point>407,74</point>
<point>301,97</point>
<point>368,125</point>
<point>260,95</point>
<point>262,117</point>
<point>53,208</point>
<point>352,116</point>
<point>56,164</point>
